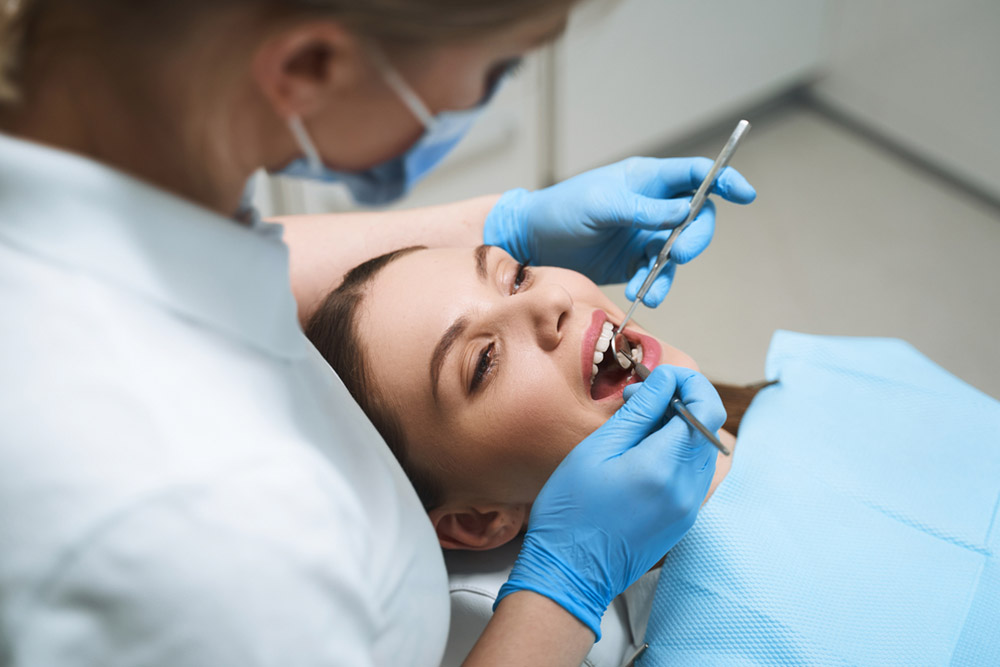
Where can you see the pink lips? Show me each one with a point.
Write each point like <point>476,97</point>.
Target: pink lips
<point>651,350</point>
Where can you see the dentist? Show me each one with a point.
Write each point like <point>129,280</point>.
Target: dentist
<point>183,481</point>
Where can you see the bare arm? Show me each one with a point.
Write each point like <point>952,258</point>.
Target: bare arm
<point>325,247</point>
<point>530,629</point>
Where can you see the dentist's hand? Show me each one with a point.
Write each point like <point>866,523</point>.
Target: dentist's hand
<point>609,223</point>
<point>621,499</point>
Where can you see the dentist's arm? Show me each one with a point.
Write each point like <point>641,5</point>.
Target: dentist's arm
<point>608,223</point>
<point>530,629</point>
<point>325,247</point>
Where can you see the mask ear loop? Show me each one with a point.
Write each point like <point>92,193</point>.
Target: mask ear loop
<point>395,81</point>
<point>408,96</point>
<point>306,144</point>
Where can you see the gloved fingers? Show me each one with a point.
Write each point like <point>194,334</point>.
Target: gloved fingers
<point>701,398</point>
<point>660,287</point>
<point>630,390</point>
<point>652,213</point>
<point>663,178</point>
<point>640,416</point>
<point>693,240</point>
<point>678,442</point>
<point>695,390</point>
<point>732,186</point>
<point>679,175</point>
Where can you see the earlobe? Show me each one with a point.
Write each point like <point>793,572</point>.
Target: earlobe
<point>299,69</point>
<point>478,528</point>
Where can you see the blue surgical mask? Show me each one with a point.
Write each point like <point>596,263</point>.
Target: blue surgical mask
<point>392,179</point>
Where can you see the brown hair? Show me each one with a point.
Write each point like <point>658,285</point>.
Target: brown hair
<point>333,330</point>
<point>392,21</point>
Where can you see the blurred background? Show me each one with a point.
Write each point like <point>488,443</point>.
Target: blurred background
<point>875,151</point>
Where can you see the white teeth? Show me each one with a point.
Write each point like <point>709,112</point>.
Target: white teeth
<point>604,339</point>
<point>601,346</point>
<point>637,352</point>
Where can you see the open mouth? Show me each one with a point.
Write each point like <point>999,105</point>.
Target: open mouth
<point>607,377</point>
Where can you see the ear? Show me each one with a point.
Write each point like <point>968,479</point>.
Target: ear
<point>301,68</point>
<point>478,528</point>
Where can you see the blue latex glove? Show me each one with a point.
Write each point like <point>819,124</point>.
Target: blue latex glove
<point>621,498</point>
<point>609,223</point>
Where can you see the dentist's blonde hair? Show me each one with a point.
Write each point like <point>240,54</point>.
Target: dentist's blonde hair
<point>392,21</point>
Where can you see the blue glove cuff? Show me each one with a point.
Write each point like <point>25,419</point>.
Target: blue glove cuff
<point>503,227</point>
<point>537,571</point>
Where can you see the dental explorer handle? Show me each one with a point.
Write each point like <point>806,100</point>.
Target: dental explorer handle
<point>686,415</point>
<point>697,202</point>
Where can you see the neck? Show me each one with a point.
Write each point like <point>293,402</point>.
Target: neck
<point>82,111</point>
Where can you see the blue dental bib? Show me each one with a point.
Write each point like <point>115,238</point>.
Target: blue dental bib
<point>858,525</point>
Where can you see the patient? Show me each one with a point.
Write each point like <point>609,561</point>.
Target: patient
<point>494,373</point>
<point>847,534</point>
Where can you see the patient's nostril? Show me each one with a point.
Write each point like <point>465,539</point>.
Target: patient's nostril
<point>561,321</point>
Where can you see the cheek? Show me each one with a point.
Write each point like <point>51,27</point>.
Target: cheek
<point>449,79</point>
<point>538,425</point>
<point>674,357</point>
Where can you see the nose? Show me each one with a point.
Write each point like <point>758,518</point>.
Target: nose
<point>548,309</point>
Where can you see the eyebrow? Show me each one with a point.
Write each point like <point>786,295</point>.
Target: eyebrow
<point>458,327</point>
<point>480,254</point>
<point>444,345</point>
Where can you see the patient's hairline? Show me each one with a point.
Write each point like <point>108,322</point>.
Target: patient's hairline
<point>333,330</point>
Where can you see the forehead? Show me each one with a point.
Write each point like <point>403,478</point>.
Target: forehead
<point>409,305</point>
<point>420,288</point>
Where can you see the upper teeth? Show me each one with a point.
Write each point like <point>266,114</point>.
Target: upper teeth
<point>602,345</point>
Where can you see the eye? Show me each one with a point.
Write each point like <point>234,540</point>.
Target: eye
<point>501,71</point>
<point>484,368</point>
<point>521,279</point>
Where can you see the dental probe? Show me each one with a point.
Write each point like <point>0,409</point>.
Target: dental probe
<point>697,202</point>
<point>678,405</point>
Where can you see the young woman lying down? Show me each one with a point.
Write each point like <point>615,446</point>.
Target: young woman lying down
<point>481,374</point>
<point>866,486</point>
<point>494,372</point>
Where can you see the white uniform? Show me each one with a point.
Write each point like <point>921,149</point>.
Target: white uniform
<point>183,481</point>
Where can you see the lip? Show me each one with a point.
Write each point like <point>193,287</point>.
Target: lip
<point>651,351</point>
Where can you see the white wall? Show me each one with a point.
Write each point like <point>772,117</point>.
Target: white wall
<point>638,74</point>
<point>925,74</point>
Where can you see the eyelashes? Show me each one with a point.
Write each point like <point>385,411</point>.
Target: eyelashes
<point>514,67</point>
<point>487,363</point>
<point>522,278</point>
<point>489,355</point>
<point>501,71</point>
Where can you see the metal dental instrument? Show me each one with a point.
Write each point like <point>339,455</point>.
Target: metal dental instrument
<point>696,204</point>
<point>676,403</point>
